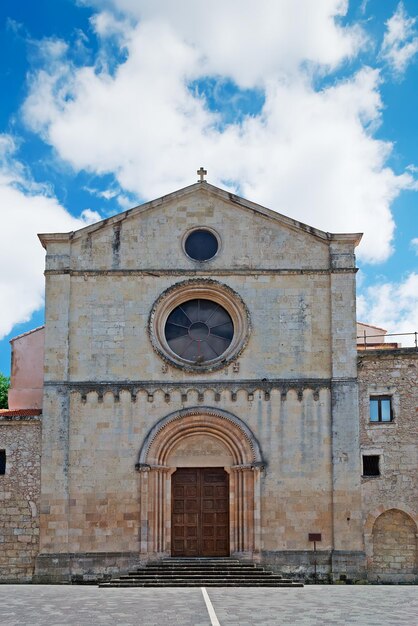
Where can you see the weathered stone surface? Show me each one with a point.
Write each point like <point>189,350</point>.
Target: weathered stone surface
<point>394,547</point>
<point>390,500</point>
<point>280,414</point>
<point>292,384</point>
<point>19,499</point>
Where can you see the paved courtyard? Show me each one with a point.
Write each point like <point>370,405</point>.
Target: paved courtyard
<point>49,605</point>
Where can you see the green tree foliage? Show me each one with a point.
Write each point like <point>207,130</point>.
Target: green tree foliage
<point>4,387</point>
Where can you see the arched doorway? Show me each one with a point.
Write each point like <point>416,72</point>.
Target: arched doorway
<point>200,439</point>
<point>394,556</point>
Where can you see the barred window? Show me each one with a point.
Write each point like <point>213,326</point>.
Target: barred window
<point>371,465</point>
<point>2,461</point>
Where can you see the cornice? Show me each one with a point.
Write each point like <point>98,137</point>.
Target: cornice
<point>385,353</point>
<point>193,273</point>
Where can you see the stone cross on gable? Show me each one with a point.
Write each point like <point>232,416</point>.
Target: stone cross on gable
<point>201,173</point>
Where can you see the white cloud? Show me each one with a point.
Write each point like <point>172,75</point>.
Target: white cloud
<point>107,194</point>
<point>363,6</point>
<point>393,306</point>
<point>400,42</point>
<point>309,154</point>
<point>106,24</point>
<point>89,217</point>
<point>248,42</point>
<point>414,244</point>
<point>26,210</point>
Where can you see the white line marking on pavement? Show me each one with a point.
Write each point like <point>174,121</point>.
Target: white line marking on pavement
<point>213,619</point>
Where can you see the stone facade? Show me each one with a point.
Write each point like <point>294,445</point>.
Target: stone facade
<point>278,409</point>
<point>288,383</point>
<point>390,499</point>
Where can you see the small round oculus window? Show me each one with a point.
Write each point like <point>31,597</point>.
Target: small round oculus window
<point>199,330</point>
<point>201,245</point>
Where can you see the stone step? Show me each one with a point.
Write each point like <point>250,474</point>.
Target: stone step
<point>201,564</point>
<point>198,573</point>
<point>168,570</point>
<point>201,577</point>
<point>201,583</point>
<point>147,572</point>
<point>181,579</point>
<point>248,570</point>
<point>201,572</point>
<point>198,562</point>
<point>134,578</point>
<point>202,559</point>
<point>211,563</point>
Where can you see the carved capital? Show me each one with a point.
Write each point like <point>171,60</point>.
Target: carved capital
<point>142,467</point>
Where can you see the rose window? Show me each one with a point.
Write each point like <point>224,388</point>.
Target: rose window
<point>199,330</point>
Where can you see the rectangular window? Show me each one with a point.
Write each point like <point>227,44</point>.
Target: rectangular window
<point>371,465</point>
<point>2,461</point>
<point>381,409</point>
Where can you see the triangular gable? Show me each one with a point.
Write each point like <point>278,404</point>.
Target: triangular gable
<point>205,187</point>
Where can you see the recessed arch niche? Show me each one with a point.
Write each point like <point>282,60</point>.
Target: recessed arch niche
<point>391,546</point>
<point>200,437</point>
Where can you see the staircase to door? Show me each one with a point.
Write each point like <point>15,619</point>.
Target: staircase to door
<point>201,572</point>
<point>200,512</point>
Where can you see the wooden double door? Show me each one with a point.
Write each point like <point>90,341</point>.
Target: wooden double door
<point>200,512</point>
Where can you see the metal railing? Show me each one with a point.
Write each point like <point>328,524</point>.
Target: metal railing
<point>370,346</point>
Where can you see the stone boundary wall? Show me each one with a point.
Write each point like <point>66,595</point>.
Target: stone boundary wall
<point>393,373</point>
<point>390,500</point>
<point>19,498</point>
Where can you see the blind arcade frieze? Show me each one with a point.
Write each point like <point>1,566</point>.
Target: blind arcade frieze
<point>148,390</point>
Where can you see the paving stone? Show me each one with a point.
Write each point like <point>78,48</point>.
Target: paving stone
<point>318,606</point>
<point>49,605</point>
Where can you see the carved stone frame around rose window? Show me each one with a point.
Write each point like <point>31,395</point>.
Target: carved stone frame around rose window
<point>199,289</point>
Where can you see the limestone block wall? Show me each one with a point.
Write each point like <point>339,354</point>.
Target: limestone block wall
<point>19,498</point>
<point>390,500</point>
<point>130,243</point>
<point>293,384</point>
<point>394,547</point>
<point>94,506</point>
<point>348,555</point>
<point>109,327</point>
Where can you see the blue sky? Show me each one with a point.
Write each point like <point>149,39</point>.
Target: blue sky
<point>306,107</point>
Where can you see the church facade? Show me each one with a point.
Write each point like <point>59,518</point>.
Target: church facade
<point>200,398</point>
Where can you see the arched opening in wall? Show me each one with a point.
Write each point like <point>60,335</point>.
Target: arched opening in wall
<point>394,541</point>
<point>200,486</point>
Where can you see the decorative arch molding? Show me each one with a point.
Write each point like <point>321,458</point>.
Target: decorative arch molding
<point>378,511</point>
<point>229,428</point>
<point>245,469</point>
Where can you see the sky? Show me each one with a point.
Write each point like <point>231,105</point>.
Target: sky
<point>306,107</point>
